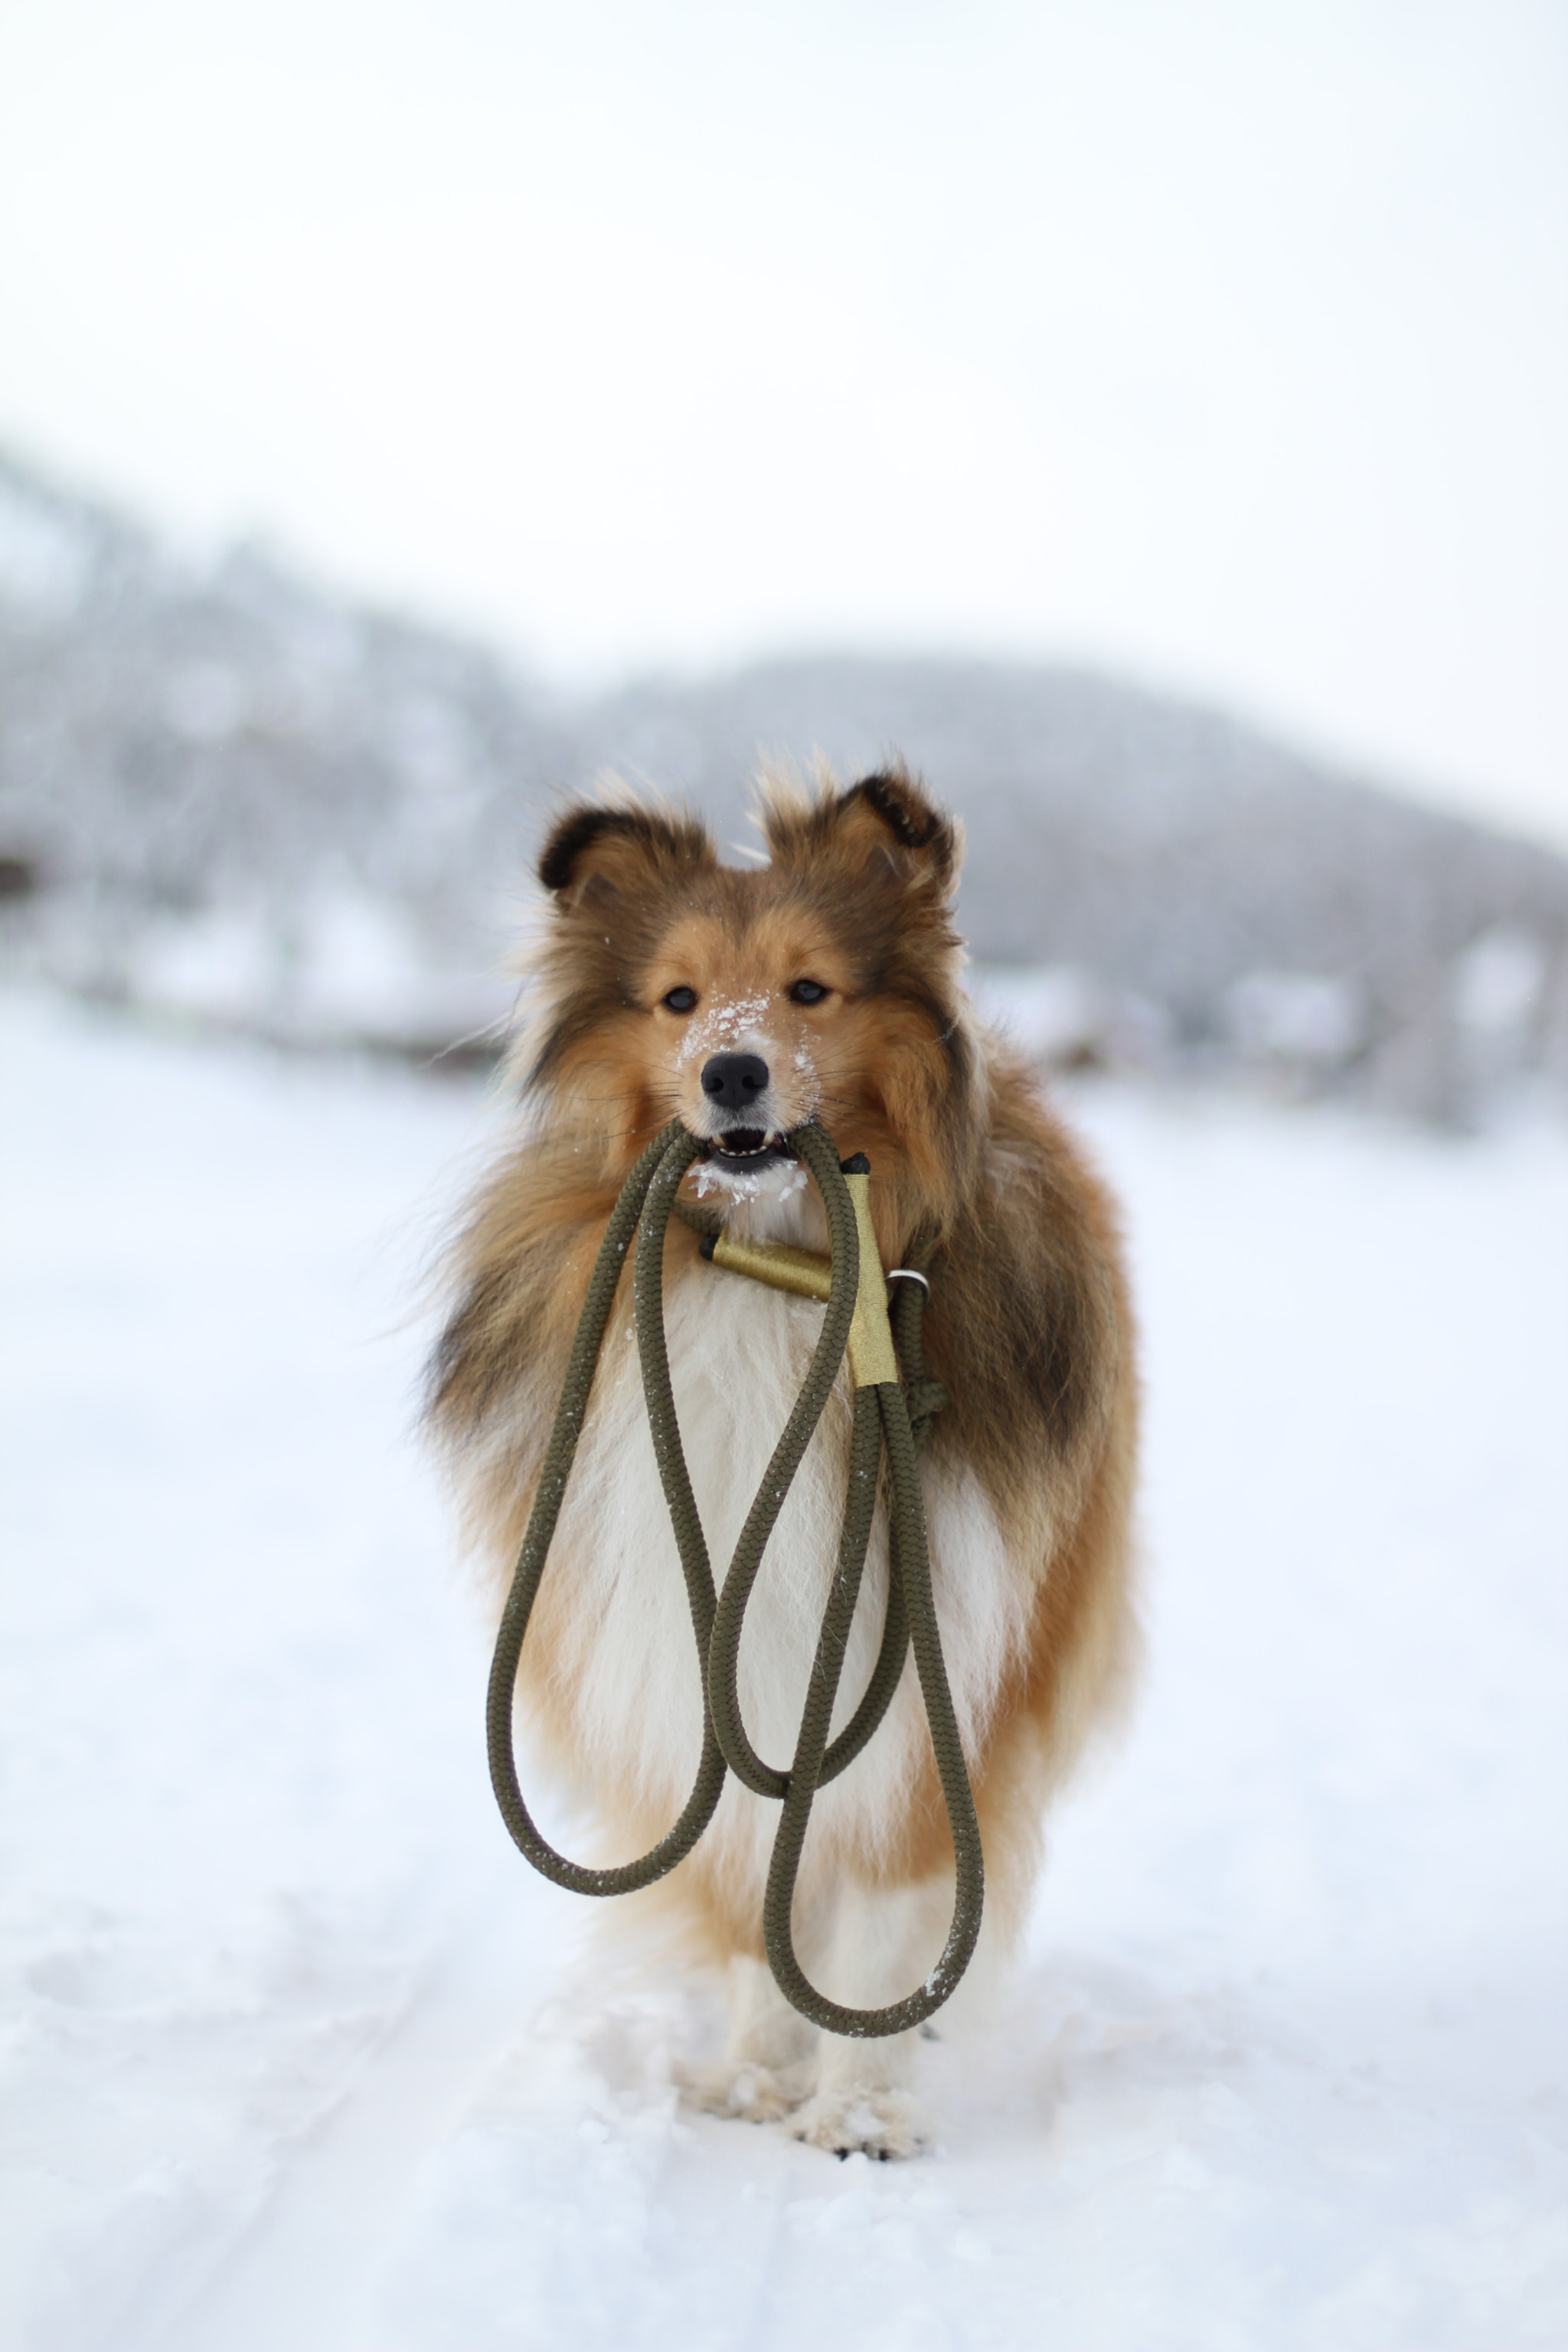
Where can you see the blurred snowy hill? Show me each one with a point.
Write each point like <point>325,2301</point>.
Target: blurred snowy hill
<point>228,796</point>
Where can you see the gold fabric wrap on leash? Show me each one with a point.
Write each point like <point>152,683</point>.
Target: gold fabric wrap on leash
<point>870,1349</point>
<point>851,1286</point>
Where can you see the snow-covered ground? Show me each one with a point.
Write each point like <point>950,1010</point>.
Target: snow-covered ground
<point>297,2050</point>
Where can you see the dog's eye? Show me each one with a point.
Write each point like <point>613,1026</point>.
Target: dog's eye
<point>682,1000</point>
<point>807,992</point>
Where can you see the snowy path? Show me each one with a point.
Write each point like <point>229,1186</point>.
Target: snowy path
<point>296,2051</point>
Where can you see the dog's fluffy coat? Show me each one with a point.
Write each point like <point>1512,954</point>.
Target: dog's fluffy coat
<point>1028,1471</point>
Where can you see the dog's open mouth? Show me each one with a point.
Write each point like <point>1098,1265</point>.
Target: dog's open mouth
<point>745,1150</point>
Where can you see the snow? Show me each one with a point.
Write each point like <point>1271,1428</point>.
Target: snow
<point>297,2050</point>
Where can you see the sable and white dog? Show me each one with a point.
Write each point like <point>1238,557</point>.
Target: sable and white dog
<point>746,1002</point>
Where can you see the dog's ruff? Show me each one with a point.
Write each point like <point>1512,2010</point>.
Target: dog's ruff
<point>1028,1533</point>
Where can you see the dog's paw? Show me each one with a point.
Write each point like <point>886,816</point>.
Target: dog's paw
<point>882,2123</point>
<point>740,2086</point>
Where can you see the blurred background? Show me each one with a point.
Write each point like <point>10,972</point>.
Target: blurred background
<point>1147,417</point>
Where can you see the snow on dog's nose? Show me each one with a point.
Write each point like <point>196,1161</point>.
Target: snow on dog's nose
<point>733,1081</point>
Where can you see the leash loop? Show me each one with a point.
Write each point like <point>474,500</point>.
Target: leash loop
<point>675,1145</point>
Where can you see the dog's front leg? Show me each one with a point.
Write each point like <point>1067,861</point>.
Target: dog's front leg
<point>767,2069</point>
<point>883,1942</point>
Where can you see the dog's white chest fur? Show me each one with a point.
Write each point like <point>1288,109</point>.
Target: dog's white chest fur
<point>738,1355</point>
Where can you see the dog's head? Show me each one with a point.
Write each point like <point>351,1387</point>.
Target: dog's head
<point>746,1002</point>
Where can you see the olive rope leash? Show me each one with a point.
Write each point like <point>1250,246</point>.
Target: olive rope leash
<point>857,1321</point>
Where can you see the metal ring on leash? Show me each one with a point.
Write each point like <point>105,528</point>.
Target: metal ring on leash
<point>855,1319</point>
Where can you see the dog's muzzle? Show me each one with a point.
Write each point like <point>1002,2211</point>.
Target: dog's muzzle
<point>736,1085</point>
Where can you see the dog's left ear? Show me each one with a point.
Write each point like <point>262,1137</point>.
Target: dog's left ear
<point>894,800</point>
<point>884,820</point>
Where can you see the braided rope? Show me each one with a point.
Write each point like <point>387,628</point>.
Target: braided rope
<point>882,1418</point>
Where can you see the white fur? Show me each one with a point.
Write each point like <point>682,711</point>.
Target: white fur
<point>778,1182</point>
<point>738,1355</point>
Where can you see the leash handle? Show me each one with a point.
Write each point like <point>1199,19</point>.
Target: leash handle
<point>882,1403</point>
<point>881,1419</point>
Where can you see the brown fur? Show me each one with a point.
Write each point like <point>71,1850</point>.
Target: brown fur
<point>1028,1323</point>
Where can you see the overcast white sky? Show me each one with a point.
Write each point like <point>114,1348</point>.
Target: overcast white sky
<point>1222,344</point>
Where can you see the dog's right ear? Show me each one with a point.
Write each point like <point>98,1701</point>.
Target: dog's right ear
<point>592,850</point>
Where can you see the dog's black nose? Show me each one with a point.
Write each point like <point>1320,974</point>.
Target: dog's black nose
<point>734,1080</point>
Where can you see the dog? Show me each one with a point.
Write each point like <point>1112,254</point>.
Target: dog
<point>822,986</point>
